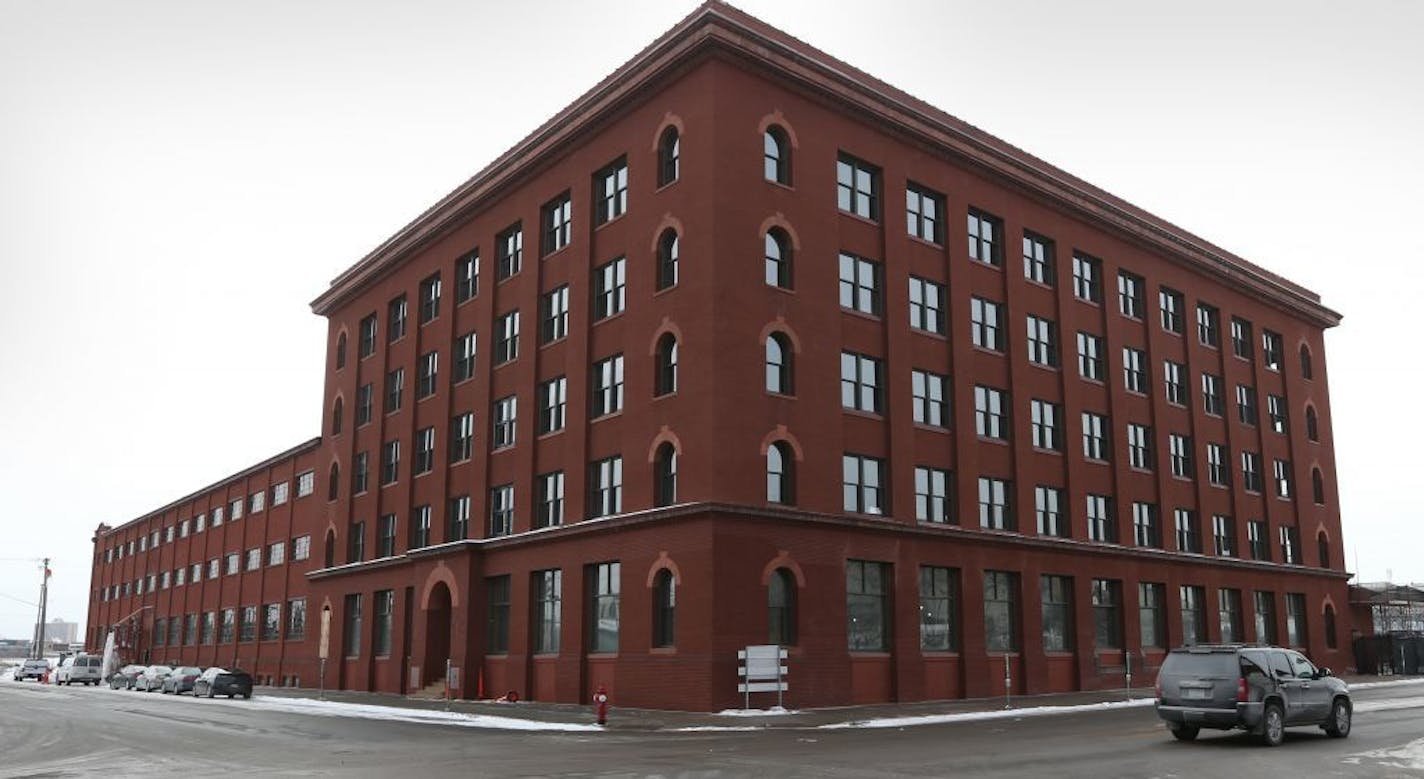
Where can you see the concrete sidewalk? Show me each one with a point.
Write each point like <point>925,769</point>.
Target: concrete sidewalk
<point>633,720</point>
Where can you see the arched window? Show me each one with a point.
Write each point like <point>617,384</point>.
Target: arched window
<point>1307,371</point>
<point>665,475</point>
<point>665,380</point>
<point>1317,486</point>
<point>341,351</point>
<point>1312,424</point>
<point>781,608</point>
<point>776,155</point>
<point>667,259</point>
<point>778,365</point>
<point>669,151</point>
<point>780,474</point>
<point>1322,545</point>
<point>1329,626</point>
<point>336,409</point>
<point>778,259</point>
<point>664,609</point>
<point>333,482</point>
<point>329,553</point>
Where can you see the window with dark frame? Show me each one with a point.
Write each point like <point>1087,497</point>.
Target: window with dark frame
<point>664,609</point>
<point>607,375</point>
<point>467,276</point>
<point>665,366</point>
<point>395,316</point>
<point>924,213</point>
<point>610,191</point>
<point>506,343</point>
<point>554,314</point>
<point>990,413</point>
<point>1087,278</point>
<point>1172,304</point>
<point>939,609</point>
<point>497,615</point>
<point>1130,297</point>
<point>858,187</point>
<point>465,347</point>
<point>867,615</point>
<point>384,613</point>
<point>927,302</point>
<point>550,508</point>
<point>776,155</point>
<point>427,374</point>
<point>778,259</point>
<point>548,610</point>
<point>1045,425</point>
<point>986,243</point>
<point>606,487</point>
<point>509,250</point>
<point>390,462</point>
<point>859,284</point>
<point>1208,325</point>
<point>1243,343</point>
<point>995,504</point>
<point>1048,511</point>
<point>862,383</point>
<point>1038,259</point>
<point>932,495</point>
<point>604,589</point>
<point>553,404</point>
<point>1056,600</point>
<point>669,156</point>
<point>556,219</point>
<point>1001,611</point>
<point>1146,528</point>
<point>1042,341</point>
<point>930,399</point>
<point>430,299</point>
<point>986,326</point>
<point>780,474</point>
<point>609,283</point>
<point>779,374</point>
<point>1151,614</point>
<point>862,484</point>
<point>502,434</point>
<point>667,260</point>
<point>368,336</point>
<point>501,517</point>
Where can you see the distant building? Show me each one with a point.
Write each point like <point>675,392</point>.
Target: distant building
<point>59,631</point>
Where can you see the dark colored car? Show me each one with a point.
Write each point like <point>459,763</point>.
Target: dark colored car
<point>220,681</point>
<point>123,679</point>
<point>1261,689</point>
<point>181,680</point>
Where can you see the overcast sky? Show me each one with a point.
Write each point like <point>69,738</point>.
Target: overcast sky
<point>179,179</point>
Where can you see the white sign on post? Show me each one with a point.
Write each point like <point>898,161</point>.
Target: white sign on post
<point>762,670</point>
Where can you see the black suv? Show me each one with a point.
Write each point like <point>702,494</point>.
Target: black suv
<point>1263,689</point>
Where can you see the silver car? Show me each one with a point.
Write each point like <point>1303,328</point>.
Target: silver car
<point>152,678</point>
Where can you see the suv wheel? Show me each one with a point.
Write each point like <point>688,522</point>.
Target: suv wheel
<point>1185,732</point>
<point>1338,726</point>
<point>1273,726</point>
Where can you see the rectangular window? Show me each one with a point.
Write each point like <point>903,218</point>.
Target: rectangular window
<point>1217,471</point>
<point>255,502</point>
<point>1090,356</point>
<point>386,536</point>
<point>1281,471</point>
<point>502,433</point>
<point>395,316</point>
<point>1243,342</point>
<point>607,386</point>
<point>368,336</point>
<point>1042,341</point>
<point>424,450</point>
<point>857,187</point>
<point>1107,614</point>
<point>1295,619</point>
<point>551,499</point>
<point>390,462</point>
<point>604,589</point>
<point>1258,540</point>
<point>1151,617</point>
<point>932,495</point>
<point>1001,611</point>
<point>210,627</point>
<point>1246,404</point>
<point>1095,445</point>
<point>986,238</point>
<point>359,472</point>
<point>1180,449</point>
<point>1251,471</point>
<point>1176,388</point>
<point>1188,534</point>
<point>232,566</point>
<point>1208,325</point>
<point>462,437</point>
<point>995,509</point>
<point>465,348</point>
<point>306,484</point>
<point>606,481</point>
<point>924,213</point>
<point>229,627</point>
<point>926,305</point>
<point>1193,614</point>
<point>467,276</point>
<point>356,549</point>
<point>610,190</point>
<point>1265,603</point>
<point>548,610</point>
<point>1047,503</point>
<point>1139,446</point>
<point>989,411</point>
<point>986,324</point>
<point>296,619</point>
<point>553,404</point>
<point>1146,530</point>
<point>867,615</point>
<point>556,219</point>
<point>930,404</point>
<point>1223,534</point>
<point>430,298</point>
<point>1172,304</point>
<point>1129,295</point>
<point>276,553</point>
<point>1038,258</point>
<point>1276,410</point>
<point>254,562</point>
<point>1228,607</point>
<point>352,644</point>
<point>939,609</point>
<point>365,401</point>
<point>506,339</point>
<point>510,246</point>
<point>554,315</point>
<point>1134,371</point>
<point>1056,595</point>
<point>301,548</point>
<point>1044,423</point>
<point>609,284</point>
<point>247,628</point>
<point>501,510</point>
<point>862,484</point>
<point>1290,545</point>
<point>859,284</point>
<point>861,382</point>
<point>271,621</point>
<point>1087,278</point>
<point>1211,394</point>
<point>1272,349</point>
<point>1102,526</point>
<point>395,389</point>
<point>497,615</point>
<point>420,522</point>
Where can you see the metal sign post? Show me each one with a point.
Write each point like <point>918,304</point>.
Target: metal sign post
<point>447,684</point>
<point>763,671</point>
<point>1127,661</point>
<point>1008,682</point>
<point>323,648</point>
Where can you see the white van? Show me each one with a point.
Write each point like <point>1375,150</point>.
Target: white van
<point>86,669</point>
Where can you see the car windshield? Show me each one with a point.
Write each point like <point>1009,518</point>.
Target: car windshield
<point>160,669</point>
<point>189,670</point>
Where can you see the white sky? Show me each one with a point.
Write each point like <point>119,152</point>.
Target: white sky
<point>179,179</point>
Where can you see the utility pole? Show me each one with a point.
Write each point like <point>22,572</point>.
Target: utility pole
<point>40,626</point>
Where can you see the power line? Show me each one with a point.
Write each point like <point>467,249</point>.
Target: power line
<point>18,600</point>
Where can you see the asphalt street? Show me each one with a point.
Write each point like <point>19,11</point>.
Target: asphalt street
<point>61,732</point>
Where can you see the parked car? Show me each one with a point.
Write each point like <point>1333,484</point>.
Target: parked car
<point>221,681</point>
<point>181,680</point>
<point>152,678</point>
<point>123,679</point>
<point>1261,689</point>
<point>85,669</point>
<point>32,669</point>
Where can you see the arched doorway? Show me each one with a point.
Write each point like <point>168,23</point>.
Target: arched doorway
<point>437,632</point>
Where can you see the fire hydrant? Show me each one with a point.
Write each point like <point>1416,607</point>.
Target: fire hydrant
<point>600,704</point>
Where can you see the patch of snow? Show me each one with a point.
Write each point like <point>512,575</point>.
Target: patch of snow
<point>774,711</point>
<point>973,716</point>
<point>716,729</point>
<point>1389,705</point>
<point>1409,757</point>
<point>1390,683</point>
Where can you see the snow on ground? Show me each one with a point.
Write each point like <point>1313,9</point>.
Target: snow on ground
<point>1391,683</point>
<point>1409,757</point>
<point>774,711</point>
<point>970,716</point>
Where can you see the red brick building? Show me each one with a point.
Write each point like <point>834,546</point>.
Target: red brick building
<point>746,346</point>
